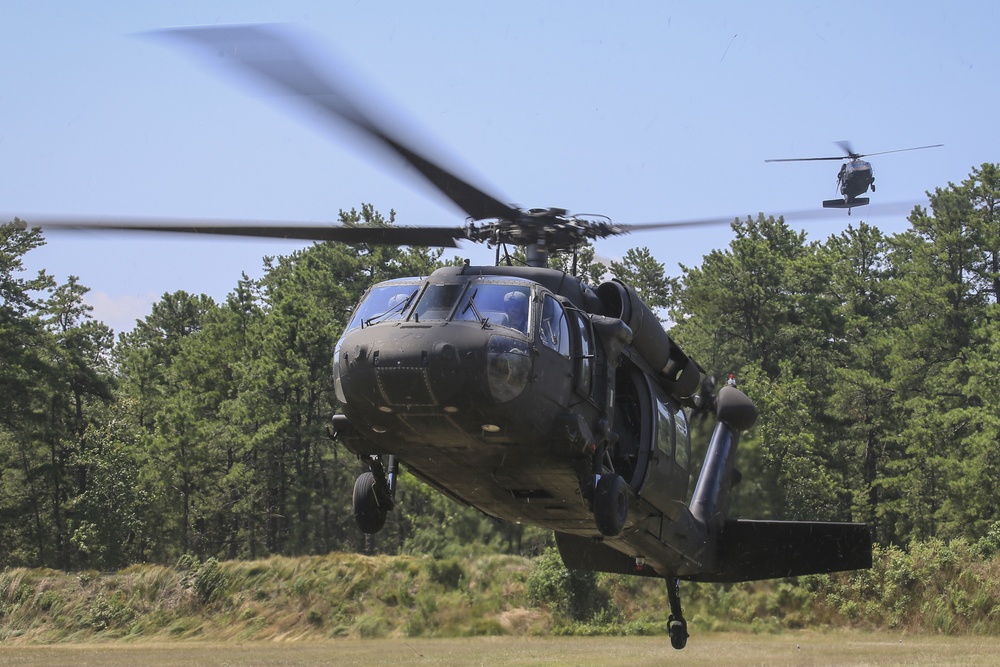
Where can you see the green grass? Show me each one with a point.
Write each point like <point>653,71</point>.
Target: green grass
<point>722,650</point>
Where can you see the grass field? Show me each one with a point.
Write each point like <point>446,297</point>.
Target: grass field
<point>721,650</point>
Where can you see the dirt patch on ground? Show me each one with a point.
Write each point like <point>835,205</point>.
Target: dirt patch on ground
<point>524,621</point>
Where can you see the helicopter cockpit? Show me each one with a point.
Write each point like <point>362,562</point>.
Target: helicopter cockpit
<point>483,329</point>
<point>506,303</point>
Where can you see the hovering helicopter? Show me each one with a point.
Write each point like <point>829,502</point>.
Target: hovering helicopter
<point>855,175</point>
<point>521,390</point>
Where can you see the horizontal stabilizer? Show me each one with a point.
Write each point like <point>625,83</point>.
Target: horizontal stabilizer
<point>840,203</point>
<point>751,550</point>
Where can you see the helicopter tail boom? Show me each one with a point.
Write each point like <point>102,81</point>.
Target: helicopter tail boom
<point>710,502</point>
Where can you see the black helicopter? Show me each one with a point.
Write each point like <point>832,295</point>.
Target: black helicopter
<point>521,390</point>
<point>855,176</point>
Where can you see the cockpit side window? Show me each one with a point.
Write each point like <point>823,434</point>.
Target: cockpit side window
<point>384,303</point>
<point>554,330</point>
<point>584,354</point>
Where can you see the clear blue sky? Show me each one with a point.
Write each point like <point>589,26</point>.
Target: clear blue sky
<point>642,111</point>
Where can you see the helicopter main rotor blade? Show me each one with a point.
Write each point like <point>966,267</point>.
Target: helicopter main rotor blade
<point>442,237</point>
<point>806,159</point>
<point>902,150</point>
<point>269,55</point>
<point>873,210</point>
<point>850,154</point>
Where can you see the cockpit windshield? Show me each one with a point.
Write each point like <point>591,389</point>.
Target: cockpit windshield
<point>437,302</point>
<point>384,303</point>
<point>506,304</point>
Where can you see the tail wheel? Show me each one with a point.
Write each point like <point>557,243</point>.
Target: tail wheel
<point>368,511</point>
<point>611,504</point>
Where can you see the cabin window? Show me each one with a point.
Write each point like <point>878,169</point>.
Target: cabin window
<point>682,452</point>
<point>437,302</point>
<point>501,305</point>
<point>384,303</point>
<point>554,330</point>
<point>665,430</point>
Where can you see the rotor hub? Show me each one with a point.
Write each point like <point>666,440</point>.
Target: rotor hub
<point>550,229</point>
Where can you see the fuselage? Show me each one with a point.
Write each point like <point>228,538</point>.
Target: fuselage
<point>855,178</point>
<point>506,410</point>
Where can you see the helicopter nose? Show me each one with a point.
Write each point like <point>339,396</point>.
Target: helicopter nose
<point>406,372</point>
<point>404,377</point>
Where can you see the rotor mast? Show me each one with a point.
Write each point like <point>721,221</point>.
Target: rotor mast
<point>537,255</point>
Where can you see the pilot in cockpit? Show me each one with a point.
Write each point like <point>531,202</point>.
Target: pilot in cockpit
<point>515,304</point>
<point>397,301</point>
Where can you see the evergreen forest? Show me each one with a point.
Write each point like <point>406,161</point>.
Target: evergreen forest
<point>206,431</point>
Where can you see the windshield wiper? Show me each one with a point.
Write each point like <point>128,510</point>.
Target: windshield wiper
<point>398,308</point>
<point>475,311</point>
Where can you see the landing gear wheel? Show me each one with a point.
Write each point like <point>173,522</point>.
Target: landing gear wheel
<point>677,627</point>
<point>678,631</point>
<point>368,511</point>
<point>611,504</point>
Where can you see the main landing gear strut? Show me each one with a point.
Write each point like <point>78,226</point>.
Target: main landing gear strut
<point>677,627</point>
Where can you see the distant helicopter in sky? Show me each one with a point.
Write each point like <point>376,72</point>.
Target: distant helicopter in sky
<point>855,176</point>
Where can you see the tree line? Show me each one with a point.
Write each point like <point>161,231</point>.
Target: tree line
<point>874,361</point>
<point>206,430</point>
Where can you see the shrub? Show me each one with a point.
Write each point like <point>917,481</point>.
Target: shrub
<point>573,594</point>
<point>208,579</point>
